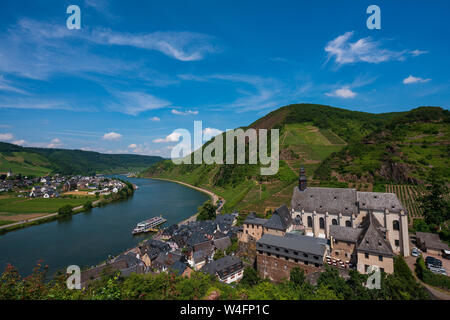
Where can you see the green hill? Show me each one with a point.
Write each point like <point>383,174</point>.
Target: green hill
<point>42,161</point>
<point>320,138</point>
<point>403,151</point>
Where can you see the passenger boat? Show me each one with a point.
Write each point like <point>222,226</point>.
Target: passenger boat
<point>149,225</point>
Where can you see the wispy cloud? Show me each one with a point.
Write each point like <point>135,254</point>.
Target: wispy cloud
<point>184,113</point>
<point>258,93</point>
<point>344,92</point>
<point>112,136</point>
<point>6,85</point>
<point>155,119</point>
<point>38,50</point>
<point>363,50</point>
<point>417,52</point>
<point>412,79</point>
<point>134,103</point>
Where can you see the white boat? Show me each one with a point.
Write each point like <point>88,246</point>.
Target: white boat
<point>149,225</point>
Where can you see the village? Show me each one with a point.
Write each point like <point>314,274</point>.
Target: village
<point>335,227</point>
<point>56,185</point>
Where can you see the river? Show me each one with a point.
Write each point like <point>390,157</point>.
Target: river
<point>86,239</point>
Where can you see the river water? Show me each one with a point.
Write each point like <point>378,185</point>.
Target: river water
<point>86,239</point>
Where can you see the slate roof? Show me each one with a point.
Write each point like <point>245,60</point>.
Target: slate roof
<point>252,219</point>
<point>281,219</point>
<point>347,234</point>
<point>372,238</point>
<point>331,200</point>
<point>431,241</point>
<point>223,266</point>
<point>224,218</point>
<point>295,242</point>
<point>199,256</point>
<point>177,267</point>
<point>222,243</point>
<point>379,201</point>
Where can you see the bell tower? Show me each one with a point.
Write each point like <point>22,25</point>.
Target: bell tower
<point>302,180</point>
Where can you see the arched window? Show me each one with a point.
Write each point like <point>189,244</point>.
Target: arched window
<point>309,222</point>
<point>396,225</point>
<point>334,222</point>
<point>348,223</point>
<point>321,223</point>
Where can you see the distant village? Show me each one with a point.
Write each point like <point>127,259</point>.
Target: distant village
<point>55,185</point>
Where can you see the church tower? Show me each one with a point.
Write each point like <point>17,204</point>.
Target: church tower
<point>302,180</point>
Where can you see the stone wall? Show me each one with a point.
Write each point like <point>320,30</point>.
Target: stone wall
<point>279,269</point>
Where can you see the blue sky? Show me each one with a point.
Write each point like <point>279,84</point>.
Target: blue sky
<point>138,70</point>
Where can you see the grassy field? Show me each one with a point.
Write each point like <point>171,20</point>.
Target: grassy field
<point>12,205</point>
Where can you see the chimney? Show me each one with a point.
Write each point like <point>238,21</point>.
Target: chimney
<point>302,180</point>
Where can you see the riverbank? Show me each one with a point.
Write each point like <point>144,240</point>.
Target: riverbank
<point>214,197</point>
<point>55,215</point>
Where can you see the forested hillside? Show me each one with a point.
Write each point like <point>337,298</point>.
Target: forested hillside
<point>41,161</point>
<point>337,147</point>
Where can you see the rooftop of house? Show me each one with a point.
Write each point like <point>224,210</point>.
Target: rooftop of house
<point>331,200</point>
<point>372,238</point>
<point>252,219</point>
<point>280,219</point>
<point>223,266</point>
<point>341,200</point>
<point>296,242</point>
<point>431,241</point>
<point>222,243</point>
<point>347,234</point>
<point>378,201</point>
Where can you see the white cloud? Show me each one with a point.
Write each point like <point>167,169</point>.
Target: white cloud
<point>362,50</point>
<point>416,52</point>
<point>412,79</point>
<point>344,92</point>
<point>132,146</point>
<point>20,142</point>
<point>112,136</point>
<point>39,50</point>
<point>183,46</point>
<point>209,133</point>
<point>6,136</point>
<point>133,103</point>
<point>154,119</point>
<point>55,143</point>
<point>184,113</point>
<point>173,137</point>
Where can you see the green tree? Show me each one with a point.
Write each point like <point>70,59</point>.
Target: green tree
<point>66,210</point>
<point>87,205</point>
<point>435,205</point>
<point>207,211</point>
<point>250,277</point>
<point>218,254</point>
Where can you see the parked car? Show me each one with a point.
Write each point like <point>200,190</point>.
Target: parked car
<point>433,262</point>
<point>415,252</point>
<point>437,270</point>
<point>446,254</point>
